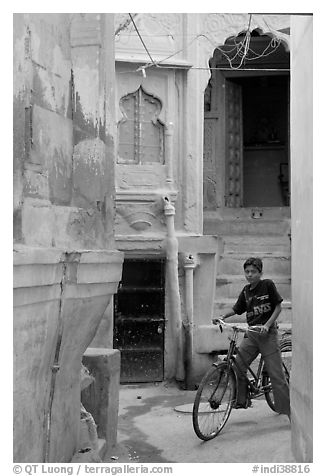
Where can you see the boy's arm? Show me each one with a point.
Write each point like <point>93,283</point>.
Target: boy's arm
<point>238,308</point>
<point>225,315</point>
<point>228,313</point>
<point>273,318</point>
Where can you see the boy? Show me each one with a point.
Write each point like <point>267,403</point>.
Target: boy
<point>262,303</point>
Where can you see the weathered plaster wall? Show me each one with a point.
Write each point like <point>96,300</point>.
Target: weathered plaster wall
<point>63,132</point>
<point>302,238</point>
<point>64,144</point>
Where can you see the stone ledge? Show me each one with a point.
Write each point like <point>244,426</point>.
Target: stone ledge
<point>46,306</point>
<point>209,338</point>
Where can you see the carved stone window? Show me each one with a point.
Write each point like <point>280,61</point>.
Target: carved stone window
<point>141,133</point>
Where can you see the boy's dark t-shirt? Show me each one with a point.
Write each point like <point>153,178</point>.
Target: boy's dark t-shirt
<point>259,303</point>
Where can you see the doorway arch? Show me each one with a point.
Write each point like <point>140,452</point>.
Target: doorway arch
<point>246,125</point>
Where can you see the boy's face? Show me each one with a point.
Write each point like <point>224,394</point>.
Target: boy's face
<point>252,274</point>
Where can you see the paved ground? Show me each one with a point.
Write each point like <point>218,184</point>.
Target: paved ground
<point>155,426</point>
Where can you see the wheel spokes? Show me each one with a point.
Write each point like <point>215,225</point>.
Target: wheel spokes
<point>214,403</point>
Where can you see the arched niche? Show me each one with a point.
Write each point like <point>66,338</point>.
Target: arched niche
<point>140,131</point>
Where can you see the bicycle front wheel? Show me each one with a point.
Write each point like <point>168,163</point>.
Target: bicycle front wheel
<point>213,403</point>
<point>286,355</point>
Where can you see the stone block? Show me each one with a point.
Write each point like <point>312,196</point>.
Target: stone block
<point>230,286</point>
<point>55,319</point>
<point>37,224</point>
<point>101,398</point>
<point>53,148</point>
<point>104,334</point>
<point>253,244</point>
<point>274,264</point>
<point>222,304</point>
<point>50,42</point>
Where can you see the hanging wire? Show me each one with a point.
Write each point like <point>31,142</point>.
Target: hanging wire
<point>178,67</point>
<point>242,52</point>
<point>141,39</point>
<point>263,54</point>
<point>158,64</point>
<point>123,26</point>
<point>215,69</point>
<point>241,49</point>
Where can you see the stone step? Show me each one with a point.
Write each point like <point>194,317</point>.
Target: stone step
<point>246,227</point>
<point>221,305</point>
<point>230,286</point>
<point>273,263</point>
<point>247,244</point>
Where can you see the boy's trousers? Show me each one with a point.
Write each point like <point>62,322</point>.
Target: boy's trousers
<point>267,344</point>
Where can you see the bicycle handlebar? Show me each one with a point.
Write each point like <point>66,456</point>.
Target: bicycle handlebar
<point>235,327</point>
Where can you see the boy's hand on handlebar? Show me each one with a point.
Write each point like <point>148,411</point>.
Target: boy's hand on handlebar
<point>217,320</point>
<point>261,329</point>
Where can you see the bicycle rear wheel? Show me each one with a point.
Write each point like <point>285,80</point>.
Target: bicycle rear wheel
<point>286,354</point>
<point>213,403</point>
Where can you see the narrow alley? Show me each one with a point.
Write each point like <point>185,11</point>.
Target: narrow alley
<point>155,426</point>
<point>140,190</point>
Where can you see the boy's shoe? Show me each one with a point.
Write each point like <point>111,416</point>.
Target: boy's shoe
<point>247,404</point>
<point>236,406</point>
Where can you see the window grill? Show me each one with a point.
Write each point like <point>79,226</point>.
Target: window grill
<point>141,133</point>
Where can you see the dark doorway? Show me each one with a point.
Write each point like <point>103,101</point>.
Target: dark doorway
<point>265,105</point>
<point>139,320</point>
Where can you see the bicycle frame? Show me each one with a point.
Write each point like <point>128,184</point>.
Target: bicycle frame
<point>218,390</point>
<point>256,390</point>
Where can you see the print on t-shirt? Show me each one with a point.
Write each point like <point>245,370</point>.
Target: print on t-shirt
<point>259,303</point>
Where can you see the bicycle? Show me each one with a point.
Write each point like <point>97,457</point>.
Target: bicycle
<point>217,392</point>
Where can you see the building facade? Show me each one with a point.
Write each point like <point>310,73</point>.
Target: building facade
<point>205,111</point>
<point>209,134</point>
<point>66,265</point>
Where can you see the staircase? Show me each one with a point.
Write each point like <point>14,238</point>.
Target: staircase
<point>273,249</point>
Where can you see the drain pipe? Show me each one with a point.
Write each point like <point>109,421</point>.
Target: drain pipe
<point>169,153</point>
<point>173,285</point>
<point>189,266</point>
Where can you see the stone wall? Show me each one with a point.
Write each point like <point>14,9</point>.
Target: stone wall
<point>302,238</point>
<point>66,269</point>
<point>63,130</point>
